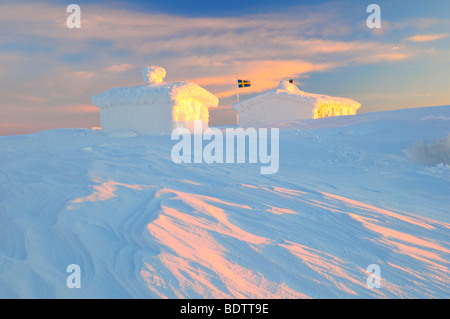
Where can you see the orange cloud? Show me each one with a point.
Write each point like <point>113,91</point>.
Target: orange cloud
<point>263,48</point>
<point>263,74</point>
<point>426,37</point>
<point>79,108</point>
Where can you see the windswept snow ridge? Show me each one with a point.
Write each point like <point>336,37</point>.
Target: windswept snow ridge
<point>140,226</point>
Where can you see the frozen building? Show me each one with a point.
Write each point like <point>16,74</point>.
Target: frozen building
<point>287,102</point>
<point>155,108</point>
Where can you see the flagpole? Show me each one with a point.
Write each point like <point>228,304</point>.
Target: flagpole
<point>237,90</point>
<point>237,98</point>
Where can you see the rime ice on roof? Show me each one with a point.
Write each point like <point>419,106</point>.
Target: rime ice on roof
<point>153,74</point>
<point>155,108</point>
<point>288,102</point>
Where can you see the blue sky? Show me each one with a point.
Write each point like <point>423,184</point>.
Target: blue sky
<point>393,9</point>
<point>196,8</point>
<point>48,72</point>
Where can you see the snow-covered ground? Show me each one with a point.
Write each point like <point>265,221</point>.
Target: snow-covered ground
<point>350,192</point>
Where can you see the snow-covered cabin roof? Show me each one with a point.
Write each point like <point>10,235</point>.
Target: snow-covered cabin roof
<point>155,92</point>
<point>289,91</point>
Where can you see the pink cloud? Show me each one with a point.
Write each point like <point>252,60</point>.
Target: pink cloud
<point>426,37</point>
<point>13,125</point>
<point>14,128</point>
<point>263,74</point>
<point>119,68</point>
<point>380,57</point>
<point>79,108</point>
<point>209,51</point>
<point>79,75</point>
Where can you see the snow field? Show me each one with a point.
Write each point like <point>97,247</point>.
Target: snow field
<point>140,226</point>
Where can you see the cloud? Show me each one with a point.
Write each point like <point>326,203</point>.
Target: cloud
<point>79,75</point>
<point>426,37</point>
<point>263,74</point>
<point>419,23</point>
<point>50,69</point>
<point>13,125</point>
<point>80,108</point>
<point>119,68</point>
<point>14,128</point>
<point>389,56</point>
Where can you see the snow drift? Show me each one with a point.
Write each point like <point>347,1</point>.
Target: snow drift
<point>141,226</point>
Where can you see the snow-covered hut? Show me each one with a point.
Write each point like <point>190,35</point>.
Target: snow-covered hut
<point>287,102</point>
<point>155,108</point>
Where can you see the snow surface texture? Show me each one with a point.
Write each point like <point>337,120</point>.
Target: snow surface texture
<point>156,108</point>
<point>139,226</point>
<point>287,102</point>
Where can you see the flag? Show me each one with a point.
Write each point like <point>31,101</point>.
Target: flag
<point>243,83</point>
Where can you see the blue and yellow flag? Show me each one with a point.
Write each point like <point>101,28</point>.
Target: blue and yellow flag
<point>243,83</point>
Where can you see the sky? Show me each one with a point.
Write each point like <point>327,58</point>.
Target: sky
<point>49,72</point>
